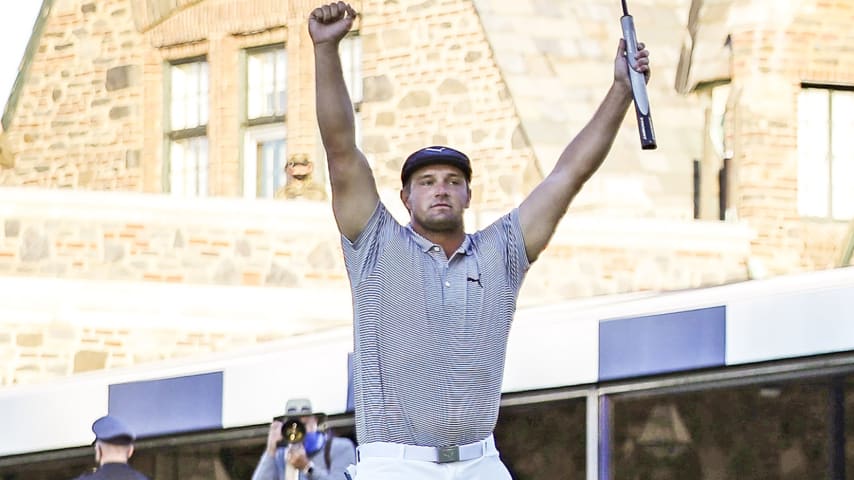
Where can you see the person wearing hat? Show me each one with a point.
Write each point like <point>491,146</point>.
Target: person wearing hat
<point>299,446</point>
<point>113,448</point>
<point>433,304</point>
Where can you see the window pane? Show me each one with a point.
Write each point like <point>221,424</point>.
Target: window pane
<point>281,82</point>
<point>758,432</point>
<point>201,152</point>
<point>188,167</point>
<point>847,429</point>
<point>543,440</point>
<point>253,72</point>
<point>266,83</point>
<point>271,167</point>
<point>350,51</point>
<point>218,459</point>
<point>189,95</point>
<point>843,154</point>
<point>717,130</point>
<point>201,98</point>
<point>177,95</point>
<point>813,165</point>
<point>357,123</point>
<point>177,154</point>
<point>264,160</point>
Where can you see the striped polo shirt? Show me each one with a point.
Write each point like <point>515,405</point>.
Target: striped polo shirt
<point>431,331</point>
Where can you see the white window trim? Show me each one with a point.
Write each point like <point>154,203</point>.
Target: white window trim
<point>252,137</point>
<point>827,185</point>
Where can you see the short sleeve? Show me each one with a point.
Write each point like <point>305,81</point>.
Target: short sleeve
<point>504,238</point>
<point>361,255</point>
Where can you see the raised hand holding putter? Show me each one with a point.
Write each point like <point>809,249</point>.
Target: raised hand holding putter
<point>647,133</point>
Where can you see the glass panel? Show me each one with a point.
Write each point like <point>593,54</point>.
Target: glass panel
<point>188,167</point>
<point>211,459</point>
<point>271,167</point>
<point>813,165</point>
<point>847,427</point>
<point>177,96</point>
<point>253,100</point>
<point>717,130</point>
<point>281,105</point>
<point>843,154</point>
<point>189,94</point>
<point>544,440</point>
<point>357,127</point>
<point>267,83</point>
<point>51,469</point>
<point>201,153</point>
<point>350,51</point>
<point>201,98</point>
<point>761,432</point>
<point>264,156</point>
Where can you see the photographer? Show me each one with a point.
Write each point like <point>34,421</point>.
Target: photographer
<point>300,447</point>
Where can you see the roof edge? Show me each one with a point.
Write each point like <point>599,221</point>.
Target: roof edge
<point>683,67</point>
<point>24,65</point>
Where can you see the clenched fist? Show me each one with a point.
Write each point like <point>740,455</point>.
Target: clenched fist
<point>330,23</point>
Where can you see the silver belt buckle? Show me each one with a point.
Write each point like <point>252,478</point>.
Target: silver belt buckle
<point>448,454</point>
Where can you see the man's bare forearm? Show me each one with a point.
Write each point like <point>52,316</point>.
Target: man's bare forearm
<point>334,108</point>
<point>540,212</point>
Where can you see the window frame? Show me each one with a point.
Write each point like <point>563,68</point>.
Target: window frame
<point>827,184</point>
<point>246,56</point>
<point>199,131</point>
<point>257,130</point>
<point>252,137</point>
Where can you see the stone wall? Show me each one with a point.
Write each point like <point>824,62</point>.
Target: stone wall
<point>428,71</point>
<point>220,32</point>
<point>590,256</point>
<point>89,117</point>
<point>431,78</point>
<point>557,60</point>
<point>89,111</point>
<point>773,52</point>
<point>77,119</point>
<point>97,280</point>
<point>53,327</point>
<point>146,237</point>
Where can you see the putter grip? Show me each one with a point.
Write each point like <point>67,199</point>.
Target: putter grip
<point>647,134</point>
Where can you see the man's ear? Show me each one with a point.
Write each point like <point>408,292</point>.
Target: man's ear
<point>468,191</point>
<point>130,450</point>
<point>404,197</point>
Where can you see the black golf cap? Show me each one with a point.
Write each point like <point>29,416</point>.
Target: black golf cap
<point>432,156</point>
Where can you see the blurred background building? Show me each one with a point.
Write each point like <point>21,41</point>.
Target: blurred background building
<point>164,194</point>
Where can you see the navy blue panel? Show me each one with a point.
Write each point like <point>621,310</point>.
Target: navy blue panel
<point>169,405</point>
<point>663,343</point>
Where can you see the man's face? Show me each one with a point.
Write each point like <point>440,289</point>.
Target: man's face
<point>436,197</point>
<point>310,423</point>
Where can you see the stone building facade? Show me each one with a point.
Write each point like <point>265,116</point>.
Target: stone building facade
<point>92,123</point>
<point>775,67</point>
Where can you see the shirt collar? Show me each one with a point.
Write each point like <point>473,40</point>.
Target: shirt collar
<point>465,248</point>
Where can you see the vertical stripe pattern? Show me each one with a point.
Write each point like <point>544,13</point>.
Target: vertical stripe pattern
<point>431,332</point>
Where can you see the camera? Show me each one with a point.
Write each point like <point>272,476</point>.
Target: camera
<point>293,431</point>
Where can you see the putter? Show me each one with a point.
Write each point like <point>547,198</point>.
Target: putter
<point>647,134</point>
